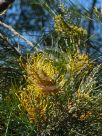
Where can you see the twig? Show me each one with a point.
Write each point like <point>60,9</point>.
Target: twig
<point>14,33</point>
<point>90,25</point>
<point>5,42</point>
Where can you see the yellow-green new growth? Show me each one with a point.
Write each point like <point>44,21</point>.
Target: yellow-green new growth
<point>67,29</point>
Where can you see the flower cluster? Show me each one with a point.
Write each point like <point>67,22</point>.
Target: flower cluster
<point>68,30</point>
<point>83,95</point>
<point>40,84</point>
<point>41,73</point>
<point>34,105</point>
<point>26,102</point>
<point>85,115</point>
<point>78,62</point>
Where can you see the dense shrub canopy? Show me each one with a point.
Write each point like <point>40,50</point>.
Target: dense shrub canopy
<point>50,69</point>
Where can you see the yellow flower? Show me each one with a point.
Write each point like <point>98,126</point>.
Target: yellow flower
<point>67,29</point>
<point>34,105</point>
<point>27,104</point>
<point>41,74</point>
<point>82,96</point>
<point>78,62</point>
<point>41,82</point>
<point>85,115</point>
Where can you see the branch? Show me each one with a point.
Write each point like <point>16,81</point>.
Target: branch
<point>5,42</point>
<point>90,25</point>
<point>13,33</point>
<point>94,47</point>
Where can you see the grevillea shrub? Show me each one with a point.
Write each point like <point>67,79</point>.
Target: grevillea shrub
<point>60,92</point>
<point>61,95</point>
